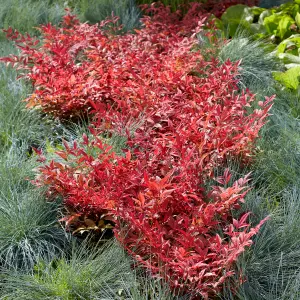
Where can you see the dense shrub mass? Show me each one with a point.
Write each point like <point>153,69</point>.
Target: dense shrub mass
<point>78,65</point>
<point>182,117</point>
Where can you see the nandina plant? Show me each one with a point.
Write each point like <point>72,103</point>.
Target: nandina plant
<point>167,223</point>
<point>75,65</point>
<point>154,194</point>
<point>191,118</point>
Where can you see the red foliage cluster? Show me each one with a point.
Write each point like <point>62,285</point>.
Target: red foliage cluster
<point>77,65</point>
<point>191,118</point>
<point>167,223</point>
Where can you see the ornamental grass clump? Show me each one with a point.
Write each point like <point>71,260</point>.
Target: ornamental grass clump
<point>29,227</point>
<point>85,272</point>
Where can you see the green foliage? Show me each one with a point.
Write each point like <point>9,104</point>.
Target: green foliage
<point>279,25</point>
<point>289,46</point>
<point>276,25</point>
<point>289,78</point>
<point>239,17</point>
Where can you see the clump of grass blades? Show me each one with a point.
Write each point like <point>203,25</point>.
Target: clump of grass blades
<point>95,11</point>
<point>276,163</point>
<point>28,223</point>
<point>29,230</point>
<point>256,64</point>
<point>18,125</point>
<point>271,266</point>
<point>86,273</point>
<point>289,101</point>
<point>15,169</point>
<point>24,15</point>
<point>152,289</point>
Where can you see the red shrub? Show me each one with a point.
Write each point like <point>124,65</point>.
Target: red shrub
<point>192,118</point>
<point>167,222</point>
<point>163,215</point>
<point>78,64</point>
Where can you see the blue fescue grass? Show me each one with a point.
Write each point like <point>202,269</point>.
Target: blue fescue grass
<point>256,63</point>
<point>26,15</point>
<point>94,11</point>
<point>18,124</point>
<point>87,272</point>
<point>278,152</point>
<point>271,266</point>
<point>29,227</point>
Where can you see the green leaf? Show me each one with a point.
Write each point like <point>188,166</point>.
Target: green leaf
<point>271,23</point>
<point>237,16</point>
<point>289,78</point>
<point>257,28</point>
<point>263,15</point>
<point>297,19</point>
<point>256,11</point>
<point>289,58</point>
<point>281,48</point>
<point>289,9</point>
<point>284,26</point>
<point>292,65</point>
<point>279,24</point>
<point>290,45</point>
